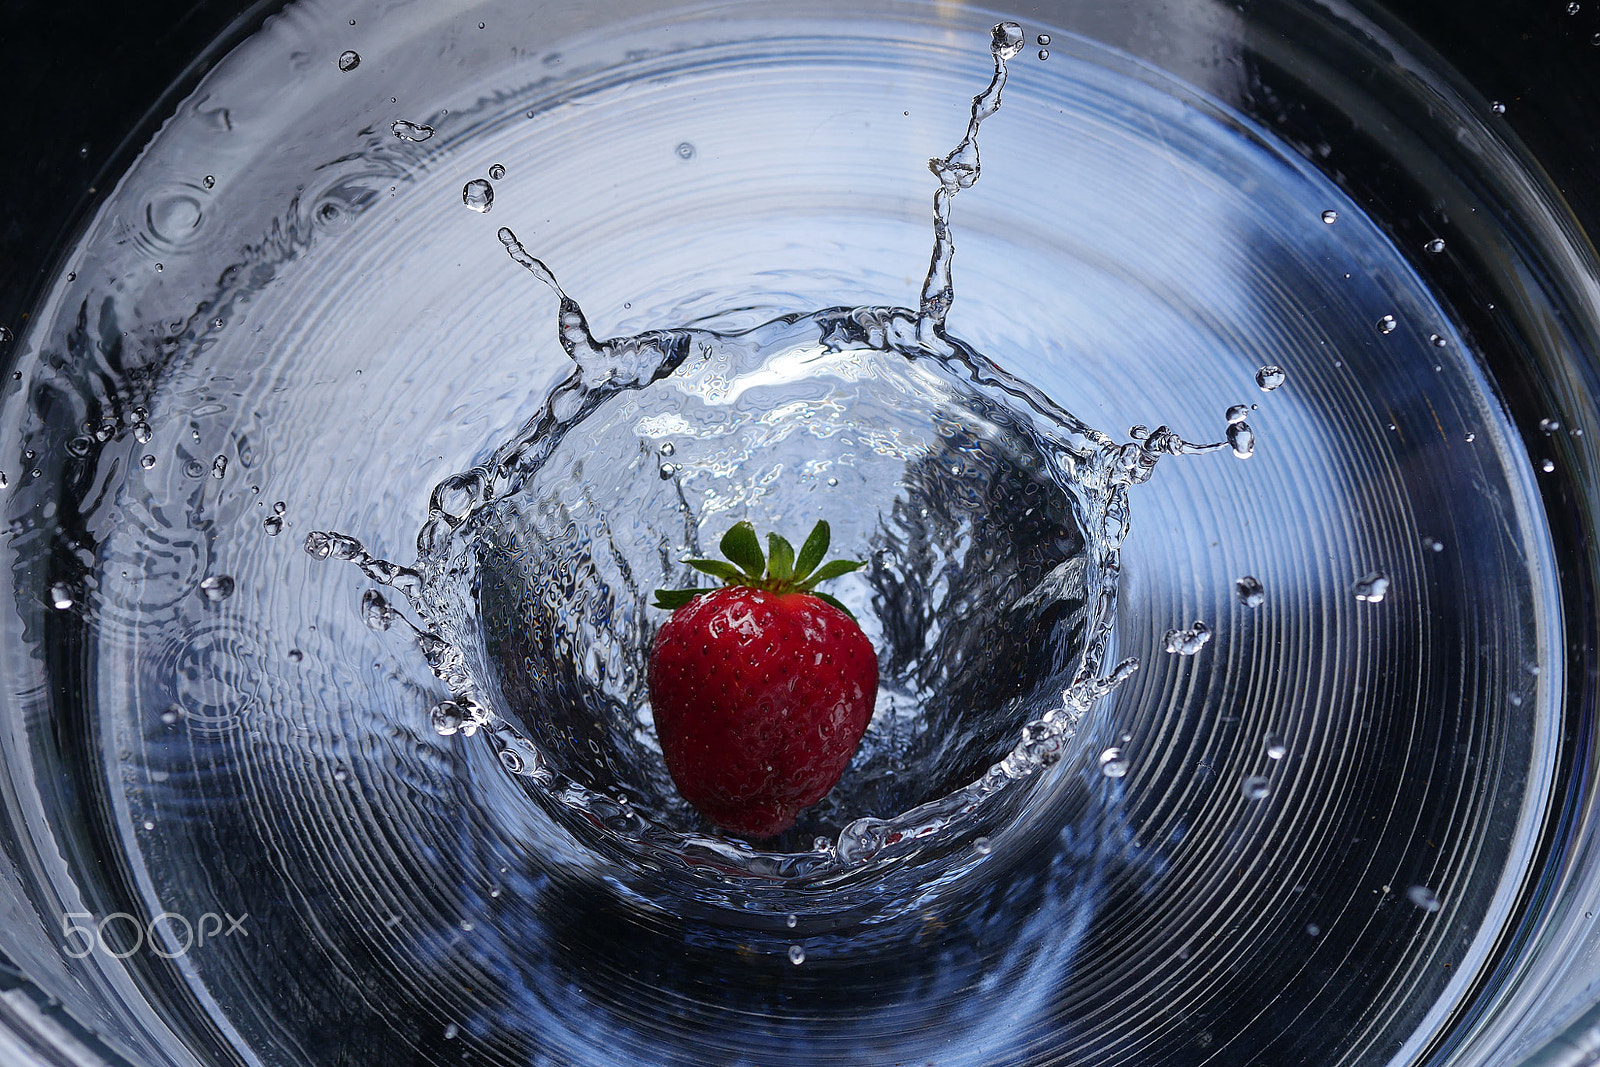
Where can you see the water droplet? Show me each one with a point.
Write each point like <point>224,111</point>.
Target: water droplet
<point>219,466</point>
<point>1436,341</point>
<point>1574,7</point>
<point>1270,377</point>
<point>349,60</point>
<point>1238,413</point>
<point>1547,465</point>
<point>147,461</point>
<point>450,1031</point>
<point>217,587</point>
<point>1113,764</point>
<point>791,920</point>
<point>172,714</point>
<point>496,172</point>
<point>446,717</point>
<point>1387,324</point>
<point>148,824</point>
<point>279,507</point>
<point>478,195</point>
<point>209,181</point>
<point>1498,108</point>
<point>1423,897</point>
<point>797,955</point>
<point>833,481</point>
<point>1249,591</point>
<point>1242,439</point>
<point>142,432</point>
<point>1275,747</point>
<point>1044,53</point>
<point>1434,246</point>
<point>1549,425</point>
<point>61,597</point>
<point>1044,38</point>
<point>1595,40</point>
<point>981,846</point>
<point>376,612</point>
<point>318,544</point>
<point>273,525</point>
<point>685,150</point>
<point>1372,587</point>
<point>1330,216</point>
<point>668,470</point>
<point>295,655</point>
<point>410,131</point>
<point>1255,787</point>
<point>1188,642</point>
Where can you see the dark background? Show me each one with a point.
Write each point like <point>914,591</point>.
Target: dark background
<point>79,82</point>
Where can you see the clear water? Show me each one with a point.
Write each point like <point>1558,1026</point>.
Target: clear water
<point>295,337</point>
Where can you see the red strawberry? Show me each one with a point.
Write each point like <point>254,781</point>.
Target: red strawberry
<point>762,689</point>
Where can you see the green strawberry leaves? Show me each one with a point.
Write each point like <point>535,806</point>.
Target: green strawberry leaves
<point>780,570</point>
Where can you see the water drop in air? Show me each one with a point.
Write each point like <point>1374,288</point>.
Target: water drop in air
<point>1249,591</point>
<point>1242,439</point>
<point>1043,38</point>
<point>217,587</point>
<point>685,150</point>
<point>61,596</point>
<point>496,172</point>
<point>1113,764</point>
<point>1437,341</point>
<point>1275,748</point>
<point>478,195</point>
<point>349,60</point>
<point>797,955</point>
<point>1435,246</point>
<point>410,131</point>
<point>1238,413</point>
<point>1270,377</point>
<point>1330,216</point>
<point>446,717</point>
<point>147,461</point>
<point>1044,53</point>
<point>981,846</point>
<point>219,467</point>
<point>376,612</point>
<point>1423,897</point>
<point>1547,465</point>
<point>1371,588</point>
<point>1387,324</point>
<point>1255,787</point>
<point>1188,642</point>
<point>272,525</point>
<point>1498,108</point>
<point>1549,425</point>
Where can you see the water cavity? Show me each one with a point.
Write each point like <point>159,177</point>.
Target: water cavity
<point>334,536</point>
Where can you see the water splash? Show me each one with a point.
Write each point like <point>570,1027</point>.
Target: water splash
<point>487,525</point>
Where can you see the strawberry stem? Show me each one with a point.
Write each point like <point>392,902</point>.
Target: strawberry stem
<point>780,570</point>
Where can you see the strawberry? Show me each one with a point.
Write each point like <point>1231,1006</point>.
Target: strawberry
<point>761,689</point>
